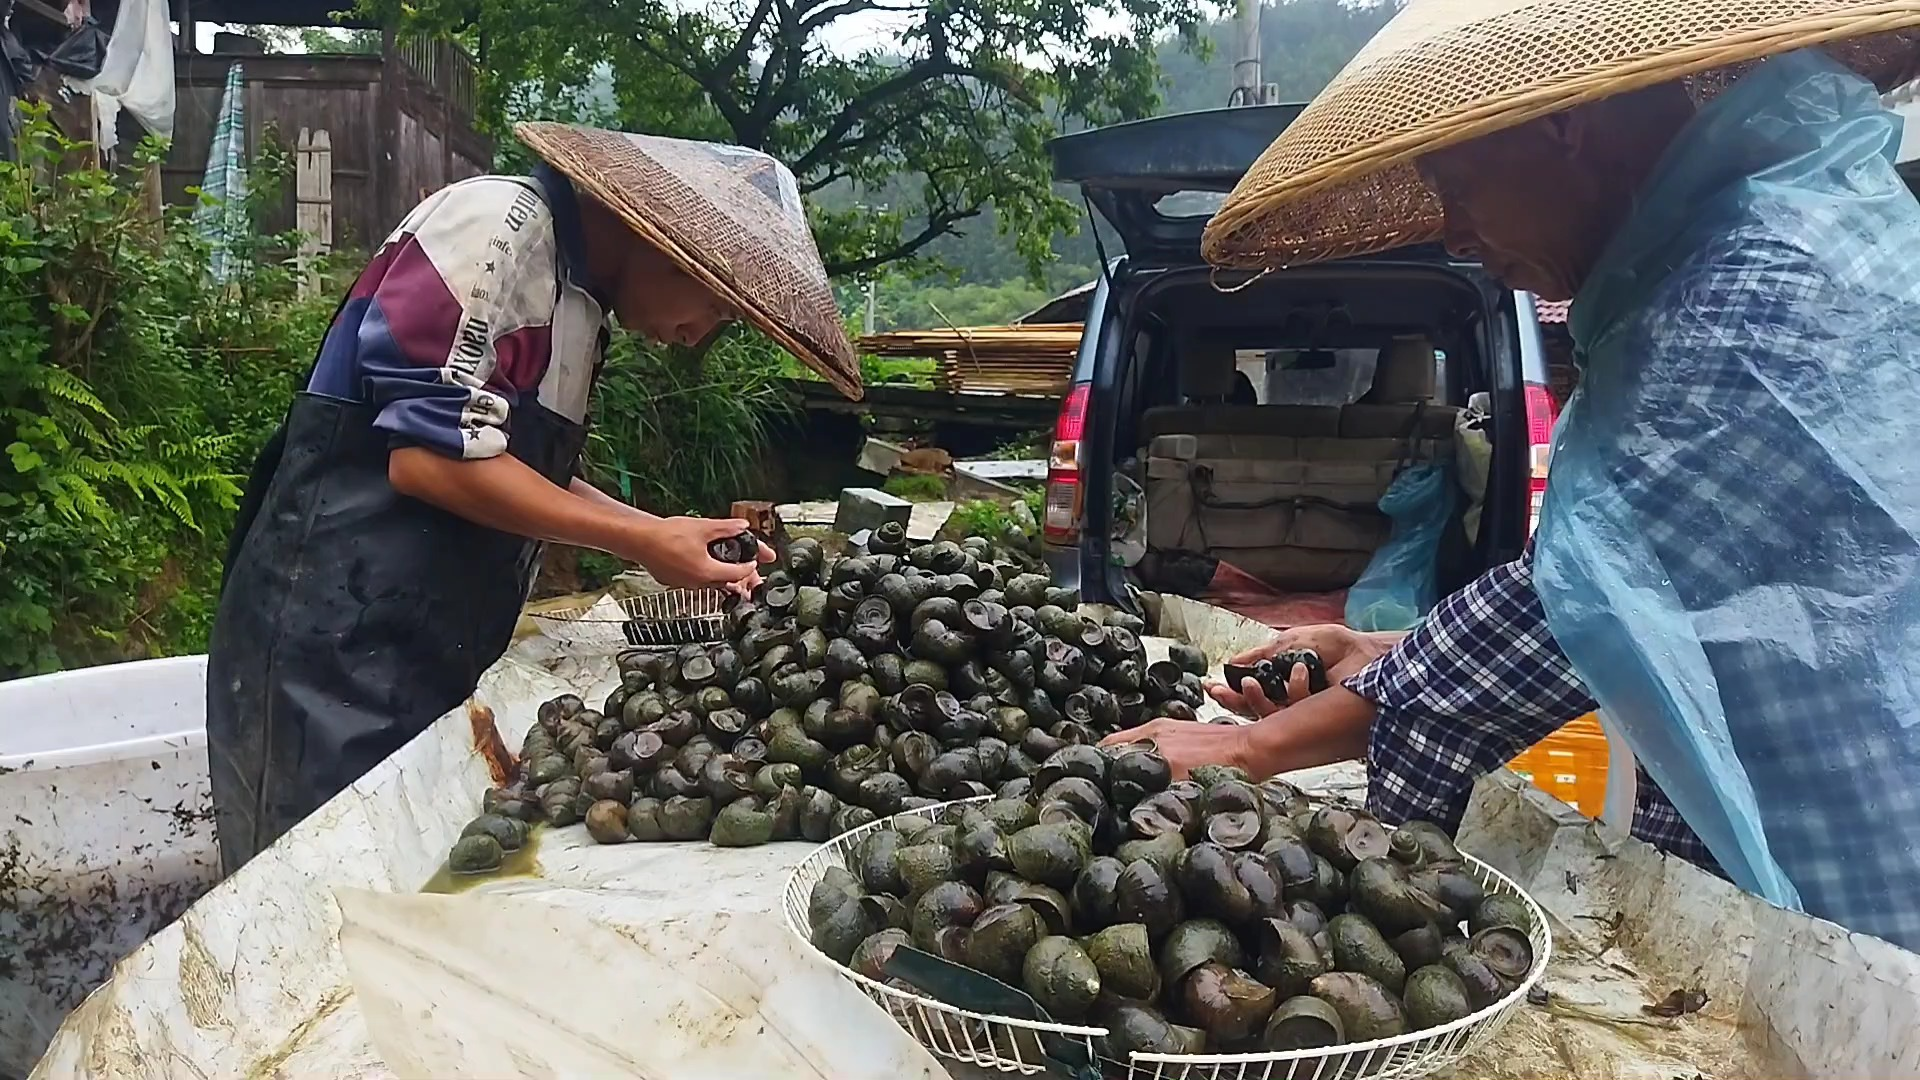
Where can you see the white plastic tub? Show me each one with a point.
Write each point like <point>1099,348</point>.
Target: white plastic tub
<point>106,831</point>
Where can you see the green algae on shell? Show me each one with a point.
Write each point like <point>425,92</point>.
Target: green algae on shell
<point>1001,938</point>
<point>1359,947</point>
<point>1367,1009</point>
<point>1051,854</point>
<point>509,832</point>
<point>1196,942</point>
<point>1124,957</point>
<point>476,854</point>
<point>1434,997</point>
<point>742,823</point>
<point>1061,978</point>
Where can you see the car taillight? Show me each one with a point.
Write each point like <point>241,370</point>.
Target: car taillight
<point>1542,412</point>
<point>1062,525</point>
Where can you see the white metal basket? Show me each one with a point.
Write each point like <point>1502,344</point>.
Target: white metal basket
<point>613,625</point>
<point>1012,1045</point>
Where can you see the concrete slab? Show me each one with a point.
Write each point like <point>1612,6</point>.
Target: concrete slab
<point>869,508</point>
<point>1003,471</point>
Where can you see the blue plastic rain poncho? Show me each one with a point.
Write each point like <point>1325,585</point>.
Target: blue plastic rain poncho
<point>1402,583</point>
<point>1730,547</point>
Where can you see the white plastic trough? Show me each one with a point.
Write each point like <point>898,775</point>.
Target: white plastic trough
<point>106,831</point>
<point>252,981</point>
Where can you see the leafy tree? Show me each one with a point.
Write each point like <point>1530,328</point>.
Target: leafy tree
<point>902,303</point>
<point>961,100</point>
<point>315,39</point>
<point>1304,43</point>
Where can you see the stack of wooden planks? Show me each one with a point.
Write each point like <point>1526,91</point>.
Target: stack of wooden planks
<point>989,359</point>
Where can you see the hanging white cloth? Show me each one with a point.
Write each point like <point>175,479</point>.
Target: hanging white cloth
<point>137,74</point>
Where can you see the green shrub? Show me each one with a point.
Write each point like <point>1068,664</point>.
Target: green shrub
<point>674,433</point>
<point>916,487</point>
<point>1012,525</point>
<point>132,398</point>
<point>135,393</point>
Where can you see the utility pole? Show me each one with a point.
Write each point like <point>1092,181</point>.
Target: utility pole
<point>869,291</point>
<point>1247,87</point>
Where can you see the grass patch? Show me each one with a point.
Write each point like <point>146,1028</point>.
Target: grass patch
<point>913,371</point>
<point>1013,525</point>
<point>916,487</point>
<point>1029,447</point>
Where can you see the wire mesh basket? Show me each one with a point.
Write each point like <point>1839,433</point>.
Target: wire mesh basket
<point>1015,1046</point>
<point>648,620</point>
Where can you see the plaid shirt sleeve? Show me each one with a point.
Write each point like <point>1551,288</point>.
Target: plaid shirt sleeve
<point>1474,685</point>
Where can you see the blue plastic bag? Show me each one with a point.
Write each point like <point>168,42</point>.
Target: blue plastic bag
<point>1729,551</point>
<point>1400,586</point>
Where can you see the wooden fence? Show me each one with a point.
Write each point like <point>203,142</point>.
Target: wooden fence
<point>391,128</point>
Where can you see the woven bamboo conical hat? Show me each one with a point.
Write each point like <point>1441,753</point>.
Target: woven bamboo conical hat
<point>729,216</point>
<point>1340,180</point>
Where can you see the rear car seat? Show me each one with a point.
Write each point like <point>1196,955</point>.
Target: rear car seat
<point>1287,493</point>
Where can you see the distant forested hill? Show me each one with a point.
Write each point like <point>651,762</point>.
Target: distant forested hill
<point>1304,43</point>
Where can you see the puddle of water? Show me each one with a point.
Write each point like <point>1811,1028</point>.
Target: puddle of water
<point>517,864</point>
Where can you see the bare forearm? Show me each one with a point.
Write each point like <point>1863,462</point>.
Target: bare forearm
<point>504,493</point>
<point>592,494</point>
<point>1329,726</point>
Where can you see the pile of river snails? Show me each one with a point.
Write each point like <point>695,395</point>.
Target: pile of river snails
<point>1209,915</point>
<point>847,689</point>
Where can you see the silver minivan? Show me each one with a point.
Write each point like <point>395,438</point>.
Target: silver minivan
<point>1255,419</point>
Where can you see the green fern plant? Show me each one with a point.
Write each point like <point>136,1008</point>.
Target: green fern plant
<point>133,396</point>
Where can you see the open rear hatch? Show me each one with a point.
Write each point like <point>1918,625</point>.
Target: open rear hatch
<point>1158,181</point>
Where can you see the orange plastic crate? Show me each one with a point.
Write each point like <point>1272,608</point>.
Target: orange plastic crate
<point>1570,765</point>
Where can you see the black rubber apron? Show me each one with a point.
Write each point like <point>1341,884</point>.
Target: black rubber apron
<point>351,617</point>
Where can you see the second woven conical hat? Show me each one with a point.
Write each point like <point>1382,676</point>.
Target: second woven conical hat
<point>1340,180</point>
<point>729,216</point>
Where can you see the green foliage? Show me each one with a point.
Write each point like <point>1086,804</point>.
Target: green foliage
<point>977,517</point>
<point>906,304</point>
<point>135,393</point>
<point>1011,526</point>
<point>1303,44</point>
<point>916,487</point>
<point>961,97</point>
<point>890,370</point>
<point>597,568</point>
<point>1026,447</point>
<point>132,399</point>
<point>314,39</point>
<point>676,433</point>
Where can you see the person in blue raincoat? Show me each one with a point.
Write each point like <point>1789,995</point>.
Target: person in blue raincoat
<point>1729,555</point>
